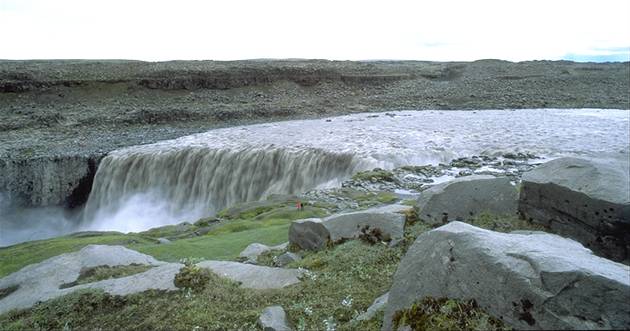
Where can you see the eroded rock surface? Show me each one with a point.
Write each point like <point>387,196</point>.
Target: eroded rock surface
<point>467,197</point>
<point>532,281</point>
<point>586,200</point>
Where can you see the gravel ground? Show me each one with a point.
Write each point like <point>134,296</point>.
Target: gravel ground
<point>69,108</point>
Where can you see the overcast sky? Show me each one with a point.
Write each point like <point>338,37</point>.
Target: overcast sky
<point>440,30</point>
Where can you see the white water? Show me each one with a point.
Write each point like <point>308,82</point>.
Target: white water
<point>182,179</point>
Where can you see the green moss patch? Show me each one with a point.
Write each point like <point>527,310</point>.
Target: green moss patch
<point>374,175</point>
<point>446,314</point>
<point>504,223</point>
<point>94,274</point>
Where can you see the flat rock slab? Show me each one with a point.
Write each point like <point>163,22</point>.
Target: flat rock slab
<point>530,281</point>
<point>466,197</point>
<point>586,200</point>
<point>253,276</point>
<point>41,281</point>
<point>315,233</point>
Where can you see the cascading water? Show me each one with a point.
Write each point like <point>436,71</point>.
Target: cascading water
<point>186,178</point>
<point>157,186</point>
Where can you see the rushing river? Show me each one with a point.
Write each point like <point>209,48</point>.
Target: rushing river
<point>183,179</point>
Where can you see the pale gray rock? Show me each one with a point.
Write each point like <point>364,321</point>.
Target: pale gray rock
<point>315,233</point>
<point>252,251</point>
<point>286,258</point>
<point>534,281</point>
<point>389,219</point>
<point>253,276</point>
<point>378,305</point>
<point>163,241</point>
<point>274,319</point>
<point>586,200</point>
<point>41,281</point>
<point>466,197</point>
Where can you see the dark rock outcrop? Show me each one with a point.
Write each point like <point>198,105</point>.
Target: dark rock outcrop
<point>586,200</point>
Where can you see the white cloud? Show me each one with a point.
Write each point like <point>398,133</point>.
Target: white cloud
<point>240,29</point>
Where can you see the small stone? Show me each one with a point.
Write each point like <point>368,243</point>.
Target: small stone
<point>273,319</point>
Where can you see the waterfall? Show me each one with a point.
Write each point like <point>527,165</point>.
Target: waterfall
<point>196,181</point>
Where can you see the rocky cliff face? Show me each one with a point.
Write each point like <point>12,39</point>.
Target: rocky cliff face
<point>46,181</point>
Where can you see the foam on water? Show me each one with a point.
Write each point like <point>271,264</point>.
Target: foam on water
<point>182,179</point>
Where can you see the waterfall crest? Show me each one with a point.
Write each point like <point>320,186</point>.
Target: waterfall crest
<point>200,181</point>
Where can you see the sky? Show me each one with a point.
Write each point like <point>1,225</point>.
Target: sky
<point>443,30</point>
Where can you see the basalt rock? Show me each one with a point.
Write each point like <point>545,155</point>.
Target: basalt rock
<point>586,200</point>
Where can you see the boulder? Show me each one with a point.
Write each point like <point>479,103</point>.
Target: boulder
<point>273,319</point>
<point>466,197</point>
<point>252,251</point>
<point>586,200</point>
<point>253,276</point>
<point>530,281</point>
<point>163,241</point>
<point>286,258</point>
<point>315,233</point>
<point>378,305</point>
<point>309,234</point>
<point>41,281</point>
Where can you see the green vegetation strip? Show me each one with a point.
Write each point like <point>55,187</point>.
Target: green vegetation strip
<point>90,275</point>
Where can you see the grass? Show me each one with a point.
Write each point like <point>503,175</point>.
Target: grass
<point>15,257</point>
<point>90,275</point>
<point>342,282</point>
<point>222,246</point>
<point>446,314</point>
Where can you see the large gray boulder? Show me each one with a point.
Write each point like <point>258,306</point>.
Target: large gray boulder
<point>315,233</point>
<point>310,234</point>
<point>41,281</point>
<point>273,319</point>
<point>586,200</point>
<point>530,281</point>
<point>466,197</point>
<point>253,276</point>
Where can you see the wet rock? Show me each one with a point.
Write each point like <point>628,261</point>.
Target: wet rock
<point>534,281</point>
<point>467,197</point>
<point>33,181</point>
<point>583,199</point>
<point>274,319</point>
<point>378,305</point>
<point>253,276</point>
<point>42,281</point>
